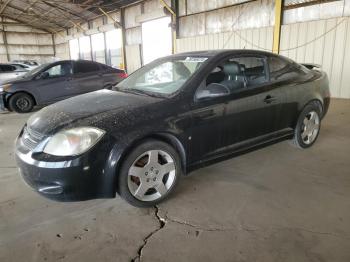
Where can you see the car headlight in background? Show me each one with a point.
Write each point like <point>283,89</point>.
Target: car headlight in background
<point>73,141</point>
<point>5,87</point>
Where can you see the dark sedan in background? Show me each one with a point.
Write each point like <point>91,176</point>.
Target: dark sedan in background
<point>172,116</point>
<point>50,83</point>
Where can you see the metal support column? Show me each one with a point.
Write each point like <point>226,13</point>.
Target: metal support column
<point>122,18</point>
<point>53,44</point>
<point>174,18</point>
<point>5,40</point>
<point>277,27</point>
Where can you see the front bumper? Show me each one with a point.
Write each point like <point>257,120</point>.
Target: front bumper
<point>2,102</point>
<point>88,176</point>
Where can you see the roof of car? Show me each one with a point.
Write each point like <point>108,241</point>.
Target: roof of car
<point>224,51</point>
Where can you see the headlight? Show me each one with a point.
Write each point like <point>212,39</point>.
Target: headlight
<point>5,87</point>
<point>73,141</point>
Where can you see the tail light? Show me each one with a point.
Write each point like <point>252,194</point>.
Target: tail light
<point>122,75</point>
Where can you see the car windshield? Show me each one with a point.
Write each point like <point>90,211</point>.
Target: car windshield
<point>34,71</point>
<point>162,77</point>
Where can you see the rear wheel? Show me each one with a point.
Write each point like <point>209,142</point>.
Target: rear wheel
<point>308,126</point>
<point>21,103</point>
<point>149,173</point>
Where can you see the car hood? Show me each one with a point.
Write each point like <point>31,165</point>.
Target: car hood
<point>88,109</point>
<point>17,80</point>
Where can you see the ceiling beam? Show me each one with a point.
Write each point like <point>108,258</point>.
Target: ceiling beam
<point>47,20</point>
<point>66,10</point>
<point>27,8</point>
<point>3,7</point>
<point>304,4</point>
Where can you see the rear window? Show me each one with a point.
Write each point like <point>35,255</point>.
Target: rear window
<point>108,68</point>
<point>85,67</point>
<point>7,68</point>
<point>105,67</point>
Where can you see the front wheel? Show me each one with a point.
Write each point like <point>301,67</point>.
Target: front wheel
<point>21,103</point>
<point>149,173</point>
<point>308,126</point>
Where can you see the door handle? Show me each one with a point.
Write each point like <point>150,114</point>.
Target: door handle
<point>204,115</point>
<point>269,99</point>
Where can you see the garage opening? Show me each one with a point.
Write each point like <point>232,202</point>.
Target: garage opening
<point>114,44</point>
<point>156,39</point>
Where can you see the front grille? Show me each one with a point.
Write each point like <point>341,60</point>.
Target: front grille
<point>30,139</point>
<point>34,134</point>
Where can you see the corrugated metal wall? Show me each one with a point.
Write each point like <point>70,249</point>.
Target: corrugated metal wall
<point>258,38</point>
<point>323,42</point>
<point>25,42</point>
<point>61,46</point>
<point>330,49</point>
<point>203,26</point>
<point>227,18</point>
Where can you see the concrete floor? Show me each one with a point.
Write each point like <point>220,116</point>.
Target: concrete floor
<point>275,204</point>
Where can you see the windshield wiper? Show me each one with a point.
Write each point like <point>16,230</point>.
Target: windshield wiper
<point>137,91</point>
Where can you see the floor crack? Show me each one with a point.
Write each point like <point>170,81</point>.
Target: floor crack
<point>161,222</point>
<point>209,229</point>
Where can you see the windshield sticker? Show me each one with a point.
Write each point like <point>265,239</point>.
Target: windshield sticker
<point>195,59</point>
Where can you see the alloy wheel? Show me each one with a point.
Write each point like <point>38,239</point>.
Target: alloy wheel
<point>151,175</point>
<point>310,127</point>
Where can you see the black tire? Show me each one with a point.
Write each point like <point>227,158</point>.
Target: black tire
<point>123,178</point>
<point>21,103</point>
<point>298,140</point>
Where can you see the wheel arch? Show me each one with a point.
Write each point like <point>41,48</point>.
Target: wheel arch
<point>21,92</point>
<point>165,137</point>
<point>314,100</point>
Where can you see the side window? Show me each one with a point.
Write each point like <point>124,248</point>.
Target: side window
<point>58,70</point>
<point>252,70</point>
<point>85,67</point>
<point>239,73</point>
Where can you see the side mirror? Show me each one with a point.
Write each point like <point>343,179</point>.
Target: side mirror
<point>212,90</point>
<point>44,75</point>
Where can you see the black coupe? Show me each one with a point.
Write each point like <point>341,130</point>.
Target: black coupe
<point>172,116</point>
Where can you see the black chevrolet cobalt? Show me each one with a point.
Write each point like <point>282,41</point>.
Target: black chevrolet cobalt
<point>172,116</point>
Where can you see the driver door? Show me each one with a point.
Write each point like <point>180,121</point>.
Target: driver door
<point>55,82</point>
<point>207,125</point>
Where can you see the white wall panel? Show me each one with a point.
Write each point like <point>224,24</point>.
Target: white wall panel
<point>316,12</point>
<point>258,38</point>
<point>133,36</point>
<point>324,42</point>
<point>130,16</point>
<point>26,43</point>
<point>29,38</point>
<point>133,57</point>
<point>195,6</point>
<point>254,14</point>
<point>62,51</point>
<point>345,78</point>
